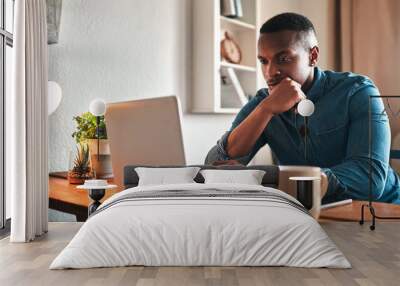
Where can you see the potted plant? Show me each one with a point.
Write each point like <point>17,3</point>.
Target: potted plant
<point>80,170</point>
<point>86,132</point>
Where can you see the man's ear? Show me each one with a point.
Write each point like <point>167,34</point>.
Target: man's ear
<point>314,53</point>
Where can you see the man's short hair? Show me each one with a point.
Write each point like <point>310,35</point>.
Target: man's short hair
<point>291,22</point>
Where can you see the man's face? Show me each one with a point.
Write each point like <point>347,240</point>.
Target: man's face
<point>282,55</point>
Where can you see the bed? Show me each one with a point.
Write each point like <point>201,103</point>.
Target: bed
<point>201,224</point>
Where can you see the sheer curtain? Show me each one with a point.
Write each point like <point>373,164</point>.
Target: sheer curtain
<point>27,119</point>
<point>370,41</point>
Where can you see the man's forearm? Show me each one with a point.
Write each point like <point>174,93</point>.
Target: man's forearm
<point>244,136</point>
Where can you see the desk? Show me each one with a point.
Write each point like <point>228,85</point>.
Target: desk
<point>67,198</point>
<point>352,212</point>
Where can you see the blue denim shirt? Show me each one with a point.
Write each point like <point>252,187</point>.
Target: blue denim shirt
<point>337,137</point>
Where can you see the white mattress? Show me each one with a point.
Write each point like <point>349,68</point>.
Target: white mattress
<point>191,231</point>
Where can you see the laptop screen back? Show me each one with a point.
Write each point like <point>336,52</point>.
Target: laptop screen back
<point>144,132</point>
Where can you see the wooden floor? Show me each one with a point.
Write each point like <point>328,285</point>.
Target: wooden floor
<point>375,257</point>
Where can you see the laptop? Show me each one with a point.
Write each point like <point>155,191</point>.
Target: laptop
<point>144,132</point>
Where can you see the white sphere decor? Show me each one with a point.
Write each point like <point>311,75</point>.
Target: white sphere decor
<point>54,95</point>
<point>97,107</point>
<point>305,107</point>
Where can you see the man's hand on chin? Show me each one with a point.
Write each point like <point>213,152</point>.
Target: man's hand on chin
<point>283,96</point>
<point>226,162</point>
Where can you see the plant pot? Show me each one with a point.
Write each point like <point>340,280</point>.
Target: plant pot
<point>77,180</point>
<point>101,164</point>
<point>104,146</point>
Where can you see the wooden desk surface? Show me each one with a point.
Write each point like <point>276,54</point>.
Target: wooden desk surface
<point>66,197</point>
<point>352,212</point>
<point>60,189</point>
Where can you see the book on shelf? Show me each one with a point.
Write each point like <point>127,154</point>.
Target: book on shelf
<point>232,92</point>
<point>236,85</point>
<point>238,8</point>
<point>228,8</point>
<point>231,8</point>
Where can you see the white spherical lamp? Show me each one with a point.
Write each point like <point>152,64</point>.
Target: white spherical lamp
<point>54,96</point>
<point>97,107</point>
<point>305,107</point>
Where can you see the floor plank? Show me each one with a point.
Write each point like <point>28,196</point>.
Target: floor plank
<point>375,257</point>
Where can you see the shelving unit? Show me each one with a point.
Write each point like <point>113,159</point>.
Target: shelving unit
<point>238,67</point>
<point>209,94</point>
<point>237,23</point>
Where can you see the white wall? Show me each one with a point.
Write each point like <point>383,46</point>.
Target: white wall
<point>121,50</point>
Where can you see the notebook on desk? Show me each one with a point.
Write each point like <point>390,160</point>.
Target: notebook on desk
<point>336,204</point>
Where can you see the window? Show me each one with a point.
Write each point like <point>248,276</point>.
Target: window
<point>6,44</point>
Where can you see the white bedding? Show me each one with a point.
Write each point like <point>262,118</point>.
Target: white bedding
<point>185,231</point>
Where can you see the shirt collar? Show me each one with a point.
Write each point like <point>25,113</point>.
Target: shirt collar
<point>317,85</point>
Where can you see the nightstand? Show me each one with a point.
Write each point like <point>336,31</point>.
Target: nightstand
<point>96,193</point>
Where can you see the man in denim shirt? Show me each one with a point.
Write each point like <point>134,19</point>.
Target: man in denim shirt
<point>337,132</point>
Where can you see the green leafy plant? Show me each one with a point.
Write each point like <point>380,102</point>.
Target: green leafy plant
<point>81,168</point>
<point>86,127</point>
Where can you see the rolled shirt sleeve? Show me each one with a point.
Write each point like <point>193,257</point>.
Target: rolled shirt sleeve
<point>350,179</point>
<point>218,152</point>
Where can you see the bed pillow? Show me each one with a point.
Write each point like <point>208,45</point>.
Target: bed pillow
<point>163,176</point>
<point>248,177</point>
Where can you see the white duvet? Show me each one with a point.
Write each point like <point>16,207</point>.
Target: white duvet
<point>200,231</point>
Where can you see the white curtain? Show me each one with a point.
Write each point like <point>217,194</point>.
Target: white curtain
<point>370,41</point>
<point>28,123</point>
